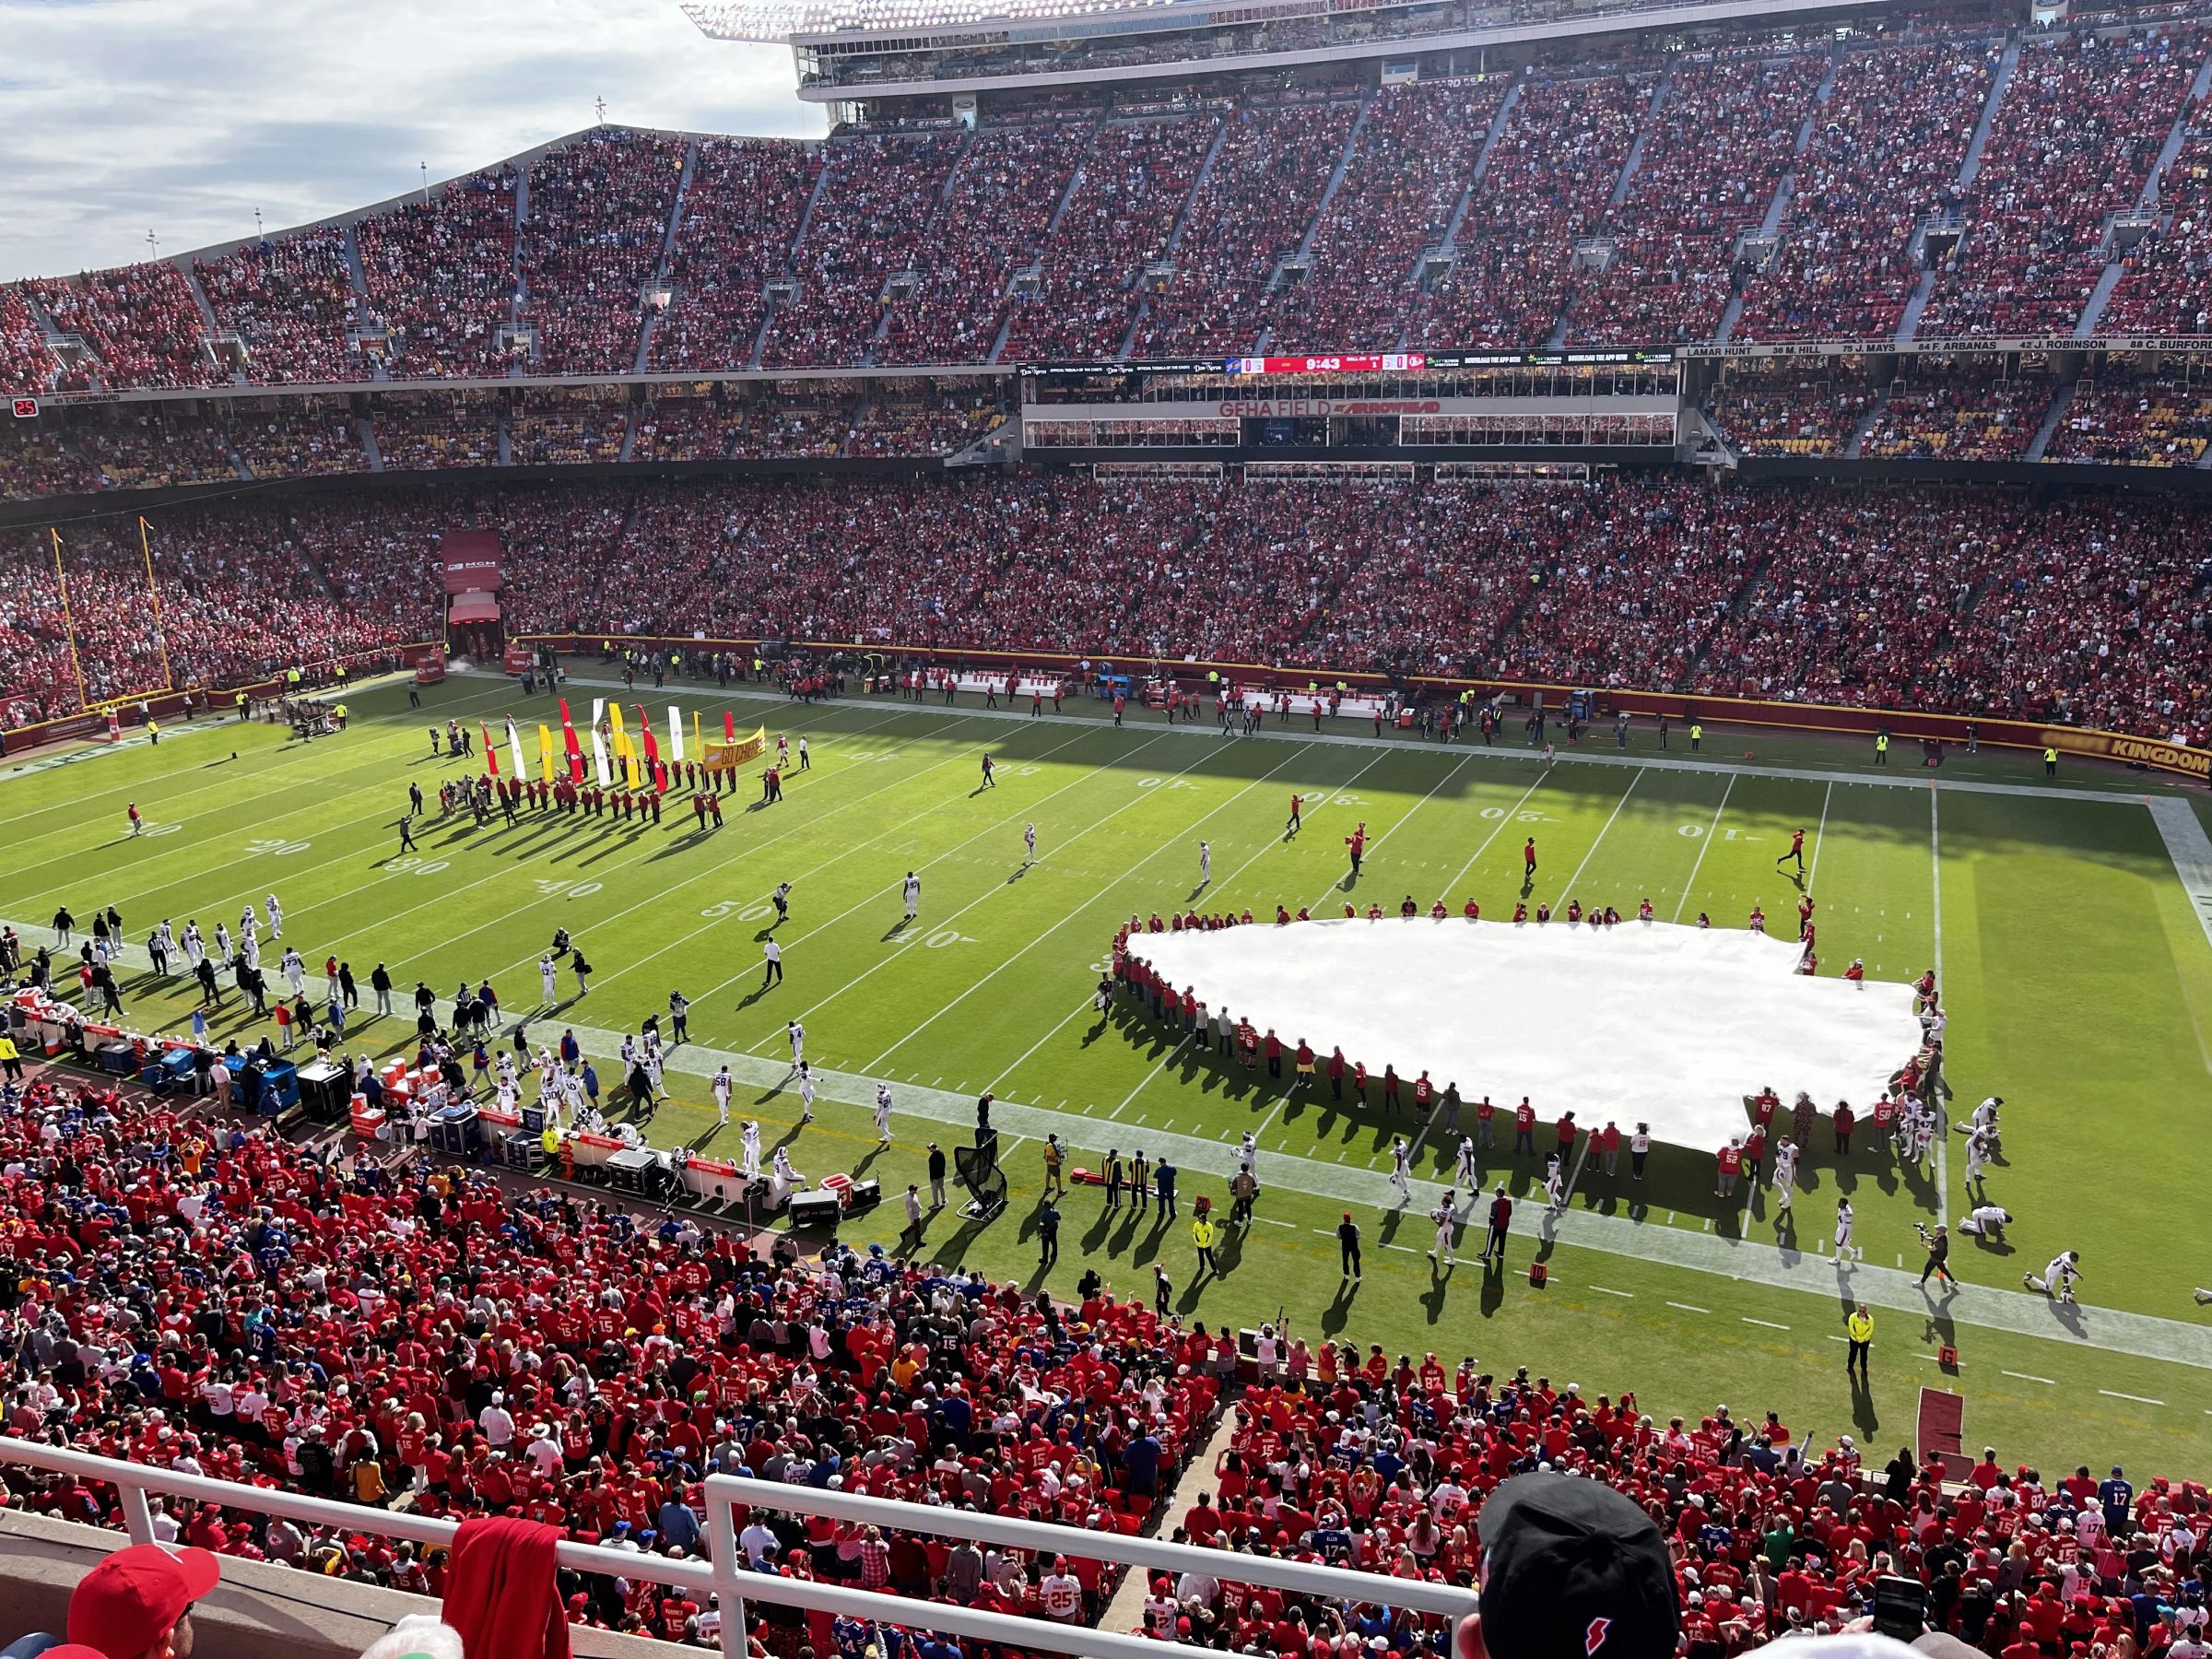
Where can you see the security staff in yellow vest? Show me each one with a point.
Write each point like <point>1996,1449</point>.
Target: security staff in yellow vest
<point>1697,737</point>
<point>1859,1327</point>
<point>238,703</point>
<point>291,678</point>
<point>1202,1234</point>
<point>2050,761</point>
<point>153,733</point>
<point>338,713</point>
<point>1881,748</point>
<point>11,1062</point>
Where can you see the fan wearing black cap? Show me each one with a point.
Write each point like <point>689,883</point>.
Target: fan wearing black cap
<point>1571,1569</point>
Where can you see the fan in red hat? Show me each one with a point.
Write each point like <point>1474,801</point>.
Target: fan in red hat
<point>137,1603</point>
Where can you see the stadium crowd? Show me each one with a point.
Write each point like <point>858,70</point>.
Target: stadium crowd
<point>196,1292</point>
<point>1614,203</point>
<point>203,1295</point>
<point>1980,600</point>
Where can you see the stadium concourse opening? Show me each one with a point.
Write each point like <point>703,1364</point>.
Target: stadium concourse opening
<point>1693,1019</point>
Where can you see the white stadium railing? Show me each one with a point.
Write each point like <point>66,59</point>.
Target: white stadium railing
<point>732,1584</point>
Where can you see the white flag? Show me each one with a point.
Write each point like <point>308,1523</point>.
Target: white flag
<point>676,731</point>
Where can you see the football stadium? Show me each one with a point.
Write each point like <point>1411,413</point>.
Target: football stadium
<point>744,876</point>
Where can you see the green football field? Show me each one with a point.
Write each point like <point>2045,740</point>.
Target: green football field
<point>2060,916</point>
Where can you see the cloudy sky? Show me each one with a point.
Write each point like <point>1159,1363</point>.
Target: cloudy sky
<point>183,116</point>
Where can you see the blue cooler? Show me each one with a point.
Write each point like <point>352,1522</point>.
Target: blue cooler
<point>280,1084</point>
<point>518,1150</point>
<point>118,1059</point>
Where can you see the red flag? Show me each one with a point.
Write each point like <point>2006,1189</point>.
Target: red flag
<point>491,753</point>
<point>653,753</point>
<point>729,726</point>
<point>576,749</point>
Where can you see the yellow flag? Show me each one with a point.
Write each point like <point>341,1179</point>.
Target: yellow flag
<point>545,751</point>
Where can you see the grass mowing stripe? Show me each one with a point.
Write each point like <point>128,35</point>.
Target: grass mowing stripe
<point>1705,841</point>
<point>540,821</point>
<point>138,787</point>
<point>227,820</point>
<point>1100,823</point>
<point>1496,829</point>
<point>1569,889</point>
<point>1006,1072</point>
<point>1006,961</point>
<point>1943,1118</point>
<point>814,826</point>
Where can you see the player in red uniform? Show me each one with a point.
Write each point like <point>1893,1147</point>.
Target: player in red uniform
<point>1796,852</point>
<point>1471,911</point>
<point>1528,865</point>
<point>1296,822</point>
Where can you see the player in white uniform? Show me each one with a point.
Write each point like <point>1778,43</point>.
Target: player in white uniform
<point>1977,1158</point>
<point>1987,1221</point>
<point>1401,1160</point>
<point>1248,1154</point>
<point>751,1163</point>
<point>722,1096</point>
<point>275,917</point>
<point>806,1093</point>
<point>295,971</point>
<point>1447,1230</point>
<point>1206,863</point>
<point>1844,1222</point>
<point>796,1034</point>
<point>1029,841</point>
<point>1785,1174</point>
<point>548,979</point>
<point>223,947</point>
<point>913,895</point>
<point>195,949</point>
<point>2059,1278</point>
<point>1555,1182</point>
<point>883,1113</point>
<point>1464,1174</point>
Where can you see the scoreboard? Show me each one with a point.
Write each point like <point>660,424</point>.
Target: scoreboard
<point>1370,362</point>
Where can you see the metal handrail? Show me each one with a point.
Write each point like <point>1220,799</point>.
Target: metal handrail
<point>726,1578</point>
<point>1311,1578</point>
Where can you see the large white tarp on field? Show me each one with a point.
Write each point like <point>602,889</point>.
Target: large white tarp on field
<point>1640,1022</point>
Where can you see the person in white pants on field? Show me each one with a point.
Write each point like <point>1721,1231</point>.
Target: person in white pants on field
<point>2057,1280</point>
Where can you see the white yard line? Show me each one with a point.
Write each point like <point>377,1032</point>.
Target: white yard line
<point>1943,1123</point>
<point>1705,841</point>
<point>1820,838</point>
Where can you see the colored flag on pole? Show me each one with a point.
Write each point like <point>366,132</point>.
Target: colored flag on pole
<point>729,726</point>
<point>601,768</point>
<point>491,754</point>
<point>570,746</point>
<point>630,759</point>
<point>545,752</point>
<point>514,747</point>
<point>653,753</point>
<point>676,733</point>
